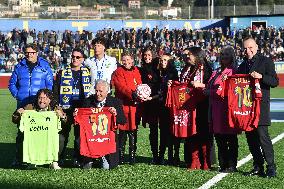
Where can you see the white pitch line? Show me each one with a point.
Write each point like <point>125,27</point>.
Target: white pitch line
<point>277,121</point>
<point>220,176</point>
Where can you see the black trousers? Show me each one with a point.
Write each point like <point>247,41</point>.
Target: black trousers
<point>227,150</point>
<point>64,136</point>
<point>166,137</point>
<point>132,135</point>
<point>261,147</point>
<point>112,159</point>
<point>19,146</point>
<point>153,137</point>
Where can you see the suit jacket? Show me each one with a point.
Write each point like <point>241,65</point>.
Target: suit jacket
<point>266,68</point>
<point>110,102</point>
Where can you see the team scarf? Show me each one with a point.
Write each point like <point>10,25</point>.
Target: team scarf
<point>67,84</point>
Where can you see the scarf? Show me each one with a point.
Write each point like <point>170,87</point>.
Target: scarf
<point>67,84</point>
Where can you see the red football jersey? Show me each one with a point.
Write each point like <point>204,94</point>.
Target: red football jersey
<point>244,95</point>
<point>97,137</point>
<point>182,101</point>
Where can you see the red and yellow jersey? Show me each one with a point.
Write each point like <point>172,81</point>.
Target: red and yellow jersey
<point>244,95</point>
<point>182,101</point>
<point>97,126</point>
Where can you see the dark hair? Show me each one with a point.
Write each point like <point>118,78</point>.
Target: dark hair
<point>198,53</point>
<point>80,51</point>
<point>155,59</point>
<point>99,40</point>
<point>167,54</point>
<point>31,45</point>
<point>127,53</point>
<point>49,94</point>
<point>146,49</point>
<point>231,51</point>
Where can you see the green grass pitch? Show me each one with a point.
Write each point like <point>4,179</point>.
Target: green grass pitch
<point>141,175</point>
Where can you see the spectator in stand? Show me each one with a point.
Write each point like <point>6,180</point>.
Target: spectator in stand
<point>161,39</point>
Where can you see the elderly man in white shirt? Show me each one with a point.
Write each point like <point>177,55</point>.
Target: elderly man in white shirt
<point>101,65</point>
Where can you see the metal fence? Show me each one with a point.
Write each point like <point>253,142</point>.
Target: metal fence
<point>192,12</point>
<point>186,12</point>
<point>222,11</point>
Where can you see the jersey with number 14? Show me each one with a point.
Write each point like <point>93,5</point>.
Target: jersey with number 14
<point>244,95</point>
<point>41,139</point>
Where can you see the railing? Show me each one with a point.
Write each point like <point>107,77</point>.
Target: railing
<point>185,12</point>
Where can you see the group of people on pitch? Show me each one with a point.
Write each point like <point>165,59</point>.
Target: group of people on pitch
<point>34,87</point>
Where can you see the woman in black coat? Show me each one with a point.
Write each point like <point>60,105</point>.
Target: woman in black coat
<point>166,72</point>
<point>149,109</point>
<point>197,73</point>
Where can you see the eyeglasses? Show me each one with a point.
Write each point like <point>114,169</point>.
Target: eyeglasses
<point>28,53</point>
<point>76,57</point>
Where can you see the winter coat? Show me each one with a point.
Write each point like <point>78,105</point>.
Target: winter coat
<point>24,84</point>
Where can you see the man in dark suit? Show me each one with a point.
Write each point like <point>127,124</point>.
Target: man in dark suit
<point>260,145</point>
<point>102,98</point>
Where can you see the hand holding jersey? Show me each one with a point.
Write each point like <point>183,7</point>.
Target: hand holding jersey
<point>39,125</point>
<point>260,145</point>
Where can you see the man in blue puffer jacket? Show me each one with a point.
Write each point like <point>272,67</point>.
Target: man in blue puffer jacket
<point>30,75</point>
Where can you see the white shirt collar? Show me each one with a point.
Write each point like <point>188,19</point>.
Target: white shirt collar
<point>101,104</point>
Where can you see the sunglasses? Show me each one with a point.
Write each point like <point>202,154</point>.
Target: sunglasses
<point>76,57</point>
<point>28,53</point>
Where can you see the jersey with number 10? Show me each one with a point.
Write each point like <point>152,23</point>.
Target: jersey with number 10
<point>244,95</point>
<point>97,137</point>
<point>41,139</point>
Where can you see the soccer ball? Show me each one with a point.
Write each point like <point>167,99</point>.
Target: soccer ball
<point>143,91</point>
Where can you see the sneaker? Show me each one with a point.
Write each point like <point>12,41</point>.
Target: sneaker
<point>88,165</point>
<point>54,165</point>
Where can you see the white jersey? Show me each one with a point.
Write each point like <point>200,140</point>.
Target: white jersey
<point>101,69</point>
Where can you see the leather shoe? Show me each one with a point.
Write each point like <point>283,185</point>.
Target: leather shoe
<point>231,170</point>
<point>256,171</point>
<point>222,170</point>
<point>271,173</point>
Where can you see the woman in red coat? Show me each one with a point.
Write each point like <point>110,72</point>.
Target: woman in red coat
<point>125,80</point>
